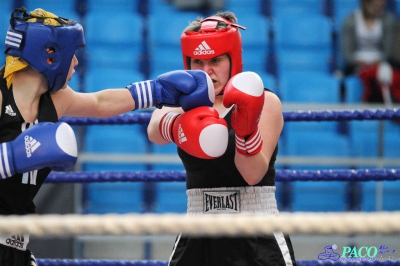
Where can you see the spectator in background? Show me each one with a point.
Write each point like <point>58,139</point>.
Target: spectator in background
<point>366,40</point>
<point>395,63</point>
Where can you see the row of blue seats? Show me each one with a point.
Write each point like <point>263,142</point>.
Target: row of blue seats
<point>119,45</point>
<point>270,8</point>
<point>120,40</point>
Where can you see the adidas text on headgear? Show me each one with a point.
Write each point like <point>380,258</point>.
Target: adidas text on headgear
<point>210,42</point>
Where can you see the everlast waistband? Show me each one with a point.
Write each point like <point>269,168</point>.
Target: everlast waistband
<point>246,200</point>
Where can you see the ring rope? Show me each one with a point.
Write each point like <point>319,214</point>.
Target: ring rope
<point>200,225</point>
<point>332,115</point>
<point>281,176</point>
<point>88,262</point>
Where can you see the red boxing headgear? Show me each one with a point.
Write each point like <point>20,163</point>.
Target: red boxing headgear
<point>210,42</point>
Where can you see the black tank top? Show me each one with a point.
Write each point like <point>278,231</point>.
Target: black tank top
<point>17,192</point>
<point>221,172</point>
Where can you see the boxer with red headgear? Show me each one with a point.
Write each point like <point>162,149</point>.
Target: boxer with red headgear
<point>34,94</point>
<point>212,40</point>
<point>242,179</point>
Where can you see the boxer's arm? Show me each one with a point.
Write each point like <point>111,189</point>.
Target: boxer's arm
<point>189,89</point>
<point>153,131</point>
<point>253,168</point>
<point>105,103</point>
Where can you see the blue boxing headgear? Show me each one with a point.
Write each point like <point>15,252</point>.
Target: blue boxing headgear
<point>38,44</point>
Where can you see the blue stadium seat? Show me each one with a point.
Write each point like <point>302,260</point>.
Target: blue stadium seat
<point>391,190</point>
<point>65,9</point>
<point>159,36</point>
<point>255,42</point>
<point>166,150</point>
<point>311,31</point>
<point>118,42</point>
<point>315,139</point>
<point>164,45</point>
<point>392,139</point>
<point>5,13</point>
<point>316,196</point>
<point>102,198</point>
<point>116,139</point>
<point>320,196</point>
<point>171,197</point>
<point>343,8</point>
<point>102,78</point>
<point>114,197</point>
<point>296,8</point>
<point>6,6</point>
<point>317,144</point>
<point>364,138</point>
<point>107,7</point>
<point>119,30</point>
<point>160,8</point>
<point>389,200</point>
<point>353,89</point>
<point>243,8</point>
<point>309,35</point>
<point>368,196</point>
<point>309,86</point>
<point>164,60</point>
<point>297,59</point>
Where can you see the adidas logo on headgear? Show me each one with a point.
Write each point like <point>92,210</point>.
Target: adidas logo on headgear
<point>203,49</point>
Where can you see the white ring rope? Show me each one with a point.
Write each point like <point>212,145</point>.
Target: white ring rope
<point>155,224</point>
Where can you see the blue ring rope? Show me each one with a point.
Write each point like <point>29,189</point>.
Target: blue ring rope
<point>281,176</point>
<point>88,262</point>
<point>339,115</point>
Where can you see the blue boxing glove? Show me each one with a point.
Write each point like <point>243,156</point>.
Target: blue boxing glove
<point>186,88</point>
<point>42,145</point>
<point>204,95</point>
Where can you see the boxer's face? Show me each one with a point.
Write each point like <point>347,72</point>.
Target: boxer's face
<point>217,68</point>
<point>71,70</point>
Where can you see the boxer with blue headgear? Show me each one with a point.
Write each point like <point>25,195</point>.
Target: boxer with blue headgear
<point>34,94</point>
<point>48,47</point>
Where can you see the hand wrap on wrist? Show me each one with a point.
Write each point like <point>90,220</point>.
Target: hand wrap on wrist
<point>250,145</point>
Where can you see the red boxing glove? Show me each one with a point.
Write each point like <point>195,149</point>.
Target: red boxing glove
<point>199,132</point>
<point>246,91</point>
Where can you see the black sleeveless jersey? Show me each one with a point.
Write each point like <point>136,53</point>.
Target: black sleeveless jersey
<point>17,192</point>
<point>221,172</point>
